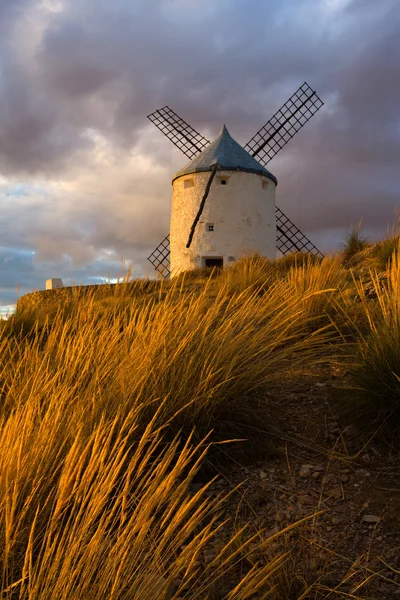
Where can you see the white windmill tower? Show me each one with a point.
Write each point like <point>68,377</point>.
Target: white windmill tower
<point>223,207</point>
<point>223,202</point>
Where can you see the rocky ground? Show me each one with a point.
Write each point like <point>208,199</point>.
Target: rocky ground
<point>321,465</point>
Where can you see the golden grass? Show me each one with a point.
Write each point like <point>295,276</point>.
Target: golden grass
<point>113,399</point>
<point>376,372</point>
<point>201,355</point>
<point>100,517</point>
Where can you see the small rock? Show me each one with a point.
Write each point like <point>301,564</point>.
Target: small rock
<point>371,519</point>
<point>305,471</point>
<point>263,475</point>
<point>330,478</point>
<point>335,492</point>
<point>318,468</point>
<point>363,473</point>
<point>332,426</point>
<point>305,500</point>
<point>344,478</point>
<point>316,475</point>
<point>320,385</point>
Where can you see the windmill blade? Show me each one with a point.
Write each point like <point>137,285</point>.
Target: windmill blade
<point>187,139</point>
<point>289,238</point>
<point>284,124</point>
<point>159,258</point>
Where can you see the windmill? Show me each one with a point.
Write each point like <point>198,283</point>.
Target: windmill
<point>262,147</point>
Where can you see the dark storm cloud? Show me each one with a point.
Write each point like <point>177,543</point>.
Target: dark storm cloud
<point>77,80</point>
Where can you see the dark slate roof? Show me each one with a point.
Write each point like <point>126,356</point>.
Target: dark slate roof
<point>229,155</point>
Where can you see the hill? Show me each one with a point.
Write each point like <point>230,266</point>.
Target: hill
<point>227,434</point>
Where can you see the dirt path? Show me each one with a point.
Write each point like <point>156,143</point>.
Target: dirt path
<point>320,465</point>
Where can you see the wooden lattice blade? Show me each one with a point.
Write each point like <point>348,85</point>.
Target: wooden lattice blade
<point>180,133</point>
<point>159,258</point>
<point>284,125</point>
<point>289,238</point>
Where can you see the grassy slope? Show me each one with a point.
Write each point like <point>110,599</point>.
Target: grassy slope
<point>113,398</point>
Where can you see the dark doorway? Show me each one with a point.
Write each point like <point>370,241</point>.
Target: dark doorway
<point>214,262</point>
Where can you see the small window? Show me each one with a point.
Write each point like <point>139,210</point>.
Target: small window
<point>188,183</point>
<point>224,181</point>
<point>210,227</point>
<point>265,185</point>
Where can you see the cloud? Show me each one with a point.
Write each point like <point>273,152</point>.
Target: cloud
<point>85,176</point>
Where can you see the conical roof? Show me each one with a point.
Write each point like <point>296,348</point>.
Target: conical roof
<point>228,154</point>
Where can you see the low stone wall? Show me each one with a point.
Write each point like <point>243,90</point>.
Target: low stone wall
<point>48,298</point>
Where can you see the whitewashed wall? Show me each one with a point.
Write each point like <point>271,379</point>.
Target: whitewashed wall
<point>243,214</point>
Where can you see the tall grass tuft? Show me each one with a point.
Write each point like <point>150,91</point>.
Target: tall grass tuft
<point>253,272</point>
<point>382,253</point>
<point>376,400</point>
<point>355,243</point>
<point>321,285</point>
<point>102,516</point>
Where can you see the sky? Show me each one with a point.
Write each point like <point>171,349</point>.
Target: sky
<point>85,177</point>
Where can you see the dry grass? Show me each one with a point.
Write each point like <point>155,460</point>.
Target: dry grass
<point>354,245</point>
<point>99,517</point>
<point>205,357</point>
<point>376,372</point>
<point>113,399</point>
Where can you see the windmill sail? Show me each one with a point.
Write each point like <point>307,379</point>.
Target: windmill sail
<point>289,238</point>
<point>185,137</point>
<point>285,123</point>
<point>159,258</point>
